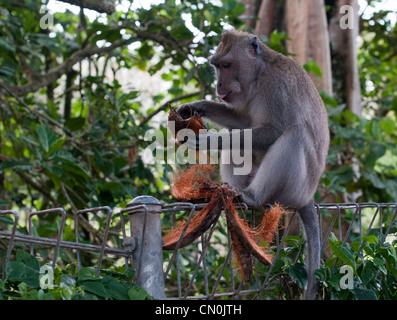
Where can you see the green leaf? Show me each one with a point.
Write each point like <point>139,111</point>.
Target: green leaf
<point>374,179</point>
<point>375,130</point>
<point>369,273</point>
<point>115,289</point>
<point>343,254</point>
<point>6,220</point>
<point>370,239</point>
<point>57,145</point>
<point>42,295</point>
<point>375,151</point>
<point>8,71</point>
<point>137,294</point>
<point>336,111</point>
<point>364,294</point>
<point>388,125</point>
<point>66,291</point>
<point>298,274</point>
<point>394,104</point>
<point>74,124</point>
<point>68,279</point>
<point>46,137</point>
<point>19,165</point>
<point>7,45</point>
<point>379,262</point>
<point>330,100</point>
<point>312,66</point>
<point>126,97</point>
<point>18,271</point>
<point>29,140</point>
<point>27,259</point>
<point>87,273</point>
<point>328,277</point>
<point>95,287</point>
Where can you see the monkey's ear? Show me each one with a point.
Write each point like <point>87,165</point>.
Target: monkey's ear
<point>255,46</point>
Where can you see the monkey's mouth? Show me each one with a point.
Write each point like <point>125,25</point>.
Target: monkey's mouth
<point>225,96</point>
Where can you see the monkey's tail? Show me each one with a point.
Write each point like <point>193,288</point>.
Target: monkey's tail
<point>311,227</point>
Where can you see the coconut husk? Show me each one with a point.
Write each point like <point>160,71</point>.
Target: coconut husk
<point>195,123</point>
<point>199,223</point>
<point>195,183</point>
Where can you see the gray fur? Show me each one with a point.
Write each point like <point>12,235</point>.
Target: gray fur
<point>273,96</point>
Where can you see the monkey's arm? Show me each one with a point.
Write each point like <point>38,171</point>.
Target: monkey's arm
<point>248,139</point>
<point>216,112</point>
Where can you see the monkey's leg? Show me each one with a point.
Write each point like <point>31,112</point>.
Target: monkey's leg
<point>286,174</point>
<point>311,227</point>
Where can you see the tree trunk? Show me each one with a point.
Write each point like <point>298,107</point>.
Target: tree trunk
<point>264,25</point>
<point>250,12</point>
<point>344,50</point>
<point>297,27</point>
<point>307,28</point>
<point>318,45</point>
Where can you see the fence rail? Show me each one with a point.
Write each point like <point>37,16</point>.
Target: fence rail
<point>162,274</point>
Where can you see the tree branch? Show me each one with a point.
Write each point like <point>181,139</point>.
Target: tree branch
<point>25,177</point>
<point>101,6</point>
<point>55,73</point>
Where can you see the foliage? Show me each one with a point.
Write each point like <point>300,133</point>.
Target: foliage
<point>363,149</point>
<point>361,156</point>
<point>24,277</point>
<point>87,153</point>
<point>374,268</point>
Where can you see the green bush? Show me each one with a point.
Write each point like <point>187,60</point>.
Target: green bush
<point>27,280</point>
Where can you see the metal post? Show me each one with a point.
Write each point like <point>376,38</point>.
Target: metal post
<point>147,258</point>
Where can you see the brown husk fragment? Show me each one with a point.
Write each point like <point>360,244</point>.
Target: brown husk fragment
<point>195,183</point>
<point>199,223</point>
<point>241,253</point>
<point>195,123</point>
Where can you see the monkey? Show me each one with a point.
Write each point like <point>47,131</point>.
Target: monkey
<point>273,96</point>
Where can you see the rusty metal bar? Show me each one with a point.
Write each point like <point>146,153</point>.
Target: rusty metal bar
<point>105,235</point>
<point>62,244</point>
<point>12,236</point>
<point>142,211</point>
<point>55,210</point>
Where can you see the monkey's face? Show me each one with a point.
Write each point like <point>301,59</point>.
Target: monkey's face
<point>235,69</point>
<point>228,85</point>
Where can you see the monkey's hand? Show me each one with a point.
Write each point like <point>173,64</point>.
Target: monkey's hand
<point>186,111</point>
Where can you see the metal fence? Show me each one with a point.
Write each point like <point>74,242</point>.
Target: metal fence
<point>204,269</point>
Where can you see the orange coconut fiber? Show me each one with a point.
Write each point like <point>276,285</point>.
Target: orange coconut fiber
<point>195,183</point>
<point>245,239</point>
<point>199,223</point>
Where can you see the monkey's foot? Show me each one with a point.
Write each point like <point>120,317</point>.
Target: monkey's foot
<point>236,195</point>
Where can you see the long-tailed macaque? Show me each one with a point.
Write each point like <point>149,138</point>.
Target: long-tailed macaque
<point>272,95</point>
